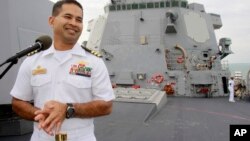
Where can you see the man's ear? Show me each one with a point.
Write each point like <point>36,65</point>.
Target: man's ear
<point>51,21</point>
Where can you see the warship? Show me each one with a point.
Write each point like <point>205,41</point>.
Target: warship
<point>165,45</point>
<point>164,63</point>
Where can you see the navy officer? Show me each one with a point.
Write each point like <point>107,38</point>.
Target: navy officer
<point>67,83</point>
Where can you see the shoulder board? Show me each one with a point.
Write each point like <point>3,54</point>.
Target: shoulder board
<point>97,54</point>
<point>32,53</point>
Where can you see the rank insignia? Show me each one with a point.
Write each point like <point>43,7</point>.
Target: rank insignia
<point>96,53</point>
<point>39,70</point>
<point>81,69</point>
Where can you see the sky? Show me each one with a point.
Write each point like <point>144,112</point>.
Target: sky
<point>234,16</point>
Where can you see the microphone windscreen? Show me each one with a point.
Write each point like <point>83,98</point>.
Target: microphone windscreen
<point>45,40</point>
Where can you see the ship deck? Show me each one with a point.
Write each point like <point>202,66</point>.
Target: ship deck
<point>181,119</point>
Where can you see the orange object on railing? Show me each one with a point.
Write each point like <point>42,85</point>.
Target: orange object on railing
<point>158,78</point>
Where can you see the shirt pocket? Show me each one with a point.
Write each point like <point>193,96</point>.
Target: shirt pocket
<point>79,81</point>
<point>40,80</point>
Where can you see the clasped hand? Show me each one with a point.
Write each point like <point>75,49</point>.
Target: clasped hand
<point>51,117</point>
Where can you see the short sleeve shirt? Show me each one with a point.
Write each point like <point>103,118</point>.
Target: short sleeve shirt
<point>231,84</point>
<point>79,77</point>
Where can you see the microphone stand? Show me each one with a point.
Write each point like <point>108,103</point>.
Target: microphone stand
<point>8,68</point>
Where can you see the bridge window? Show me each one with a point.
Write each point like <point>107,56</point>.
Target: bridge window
<point>167,4</point>
<point>142,5</point>
<point>118,7</point>
<point>157,5</point>
<point>134,6</point>
<point>128,6</point>
<point>175,3</point>
<point>162,4</point>
<point>150,5</point>
<point>112,8</point>
<point>123,7</point>
<point>184,4</point>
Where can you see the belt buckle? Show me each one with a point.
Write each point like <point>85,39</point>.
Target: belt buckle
<point>61,137</point>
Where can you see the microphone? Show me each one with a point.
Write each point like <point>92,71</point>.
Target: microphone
<point>42,43</point>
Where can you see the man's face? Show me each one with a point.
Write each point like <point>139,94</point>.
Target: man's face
<point>68,24</point>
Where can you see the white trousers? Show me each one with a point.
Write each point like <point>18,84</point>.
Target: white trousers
<point>231,96</point>
<point>77,135</point>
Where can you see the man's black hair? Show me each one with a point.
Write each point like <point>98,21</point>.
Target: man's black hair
<point>58,6</point>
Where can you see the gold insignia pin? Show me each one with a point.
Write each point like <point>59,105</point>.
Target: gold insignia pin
<point>39,70</point>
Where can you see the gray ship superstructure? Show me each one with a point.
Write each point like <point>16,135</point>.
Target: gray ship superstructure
<point>166,45</point>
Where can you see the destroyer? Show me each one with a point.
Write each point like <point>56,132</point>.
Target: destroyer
<point>164,45</point>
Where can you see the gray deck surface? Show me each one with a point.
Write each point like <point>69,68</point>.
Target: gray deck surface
<point>181,119</point>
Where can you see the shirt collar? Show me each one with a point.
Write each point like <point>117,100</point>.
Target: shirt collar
<point>76,50</point>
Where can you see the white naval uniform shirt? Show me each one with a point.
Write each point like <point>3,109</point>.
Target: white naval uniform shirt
<point>58,81</point>
<point>231,85</point>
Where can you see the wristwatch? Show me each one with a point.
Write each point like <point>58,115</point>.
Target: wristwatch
<point>70,112</point>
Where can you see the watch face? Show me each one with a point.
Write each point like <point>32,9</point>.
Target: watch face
<point>70,111</point>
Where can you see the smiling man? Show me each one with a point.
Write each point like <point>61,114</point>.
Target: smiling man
<point>69,85</point>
